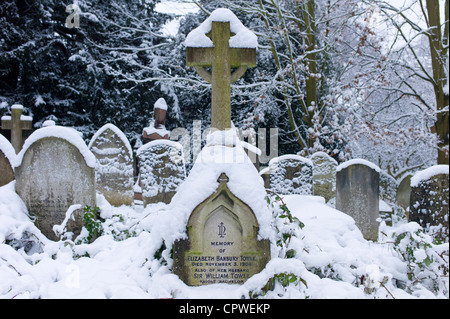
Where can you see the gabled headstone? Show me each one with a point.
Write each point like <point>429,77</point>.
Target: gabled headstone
<point>114,169</point>
<point>357,194</point>
<point>291,174</point>
<point>222,244</point>
<point>7,160</point>
<point>324,175</point>
<point>55,171</point>
<point>430,199</point>
<point>161,170</point>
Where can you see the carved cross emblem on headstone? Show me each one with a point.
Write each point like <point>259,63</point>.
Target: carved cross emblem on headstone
<point>16,123</point>
<point>221,58</point>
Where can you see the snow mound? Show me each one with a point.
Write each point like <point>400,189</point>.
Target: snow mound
<point>243,38</point>
<point>7,149</point>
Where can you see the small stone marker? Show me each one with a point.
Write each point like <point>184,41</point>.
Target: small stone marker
<point>157,129</point>
<point>357,194</point>
<point>222,244</point>
<point>324,175</point>
<point>161,170</point>
<point>404,192</point>
<point>56,171</point>
<point>221,42</point>
<point>16,123</point>
<point>7,160</point>
<point>114,169</point>
<point>388,188</point>
<point>291,174</point>
<point>430,200</point>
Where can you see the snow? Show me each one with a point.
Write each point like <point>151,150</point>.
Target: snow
<point>161,131</point>
<point>66,133</point>
<point>275,160</point>
<point>243,38</point>
<point>8,150</point>
<point>332,258</point>
<point>428,173</point>
<point>356,161</point>
<point>126,268</point>
<point>160,104</point>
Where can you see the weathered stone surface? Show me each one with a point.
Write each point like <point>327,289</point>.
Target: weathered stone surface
<point>357,194</point>
<point>291,174</point>
<point>404,192</point>
<point>6,167</point>
<point>222,244</point>
<point>221,58</point>
<point>429,201</point>
<point>114,169</point>
<point>53,175</point>
<point>388,188</point>
<point>324,175</point>
<point>16,123</point>
<point>161,169</point>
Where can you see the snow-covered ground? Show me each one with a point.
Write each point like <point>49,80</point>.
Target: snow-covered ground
<point>129,260</point>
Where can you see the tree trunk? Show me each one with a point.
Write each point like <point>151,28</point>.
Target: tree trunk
<point>439,77</point>
<point>311,85</point>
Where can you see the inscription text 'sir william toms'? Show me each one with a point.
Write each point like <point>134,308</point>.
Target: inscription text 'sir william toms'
<point>222,245</point>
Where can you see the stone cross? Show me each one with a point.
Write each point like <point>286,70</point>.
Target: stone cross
<point>16,123</point>
<point>220,58</point>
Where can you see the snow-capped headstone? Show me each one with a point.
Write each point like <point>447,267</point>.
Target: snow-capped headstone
<point>221,42</point>
<point>404,192</point>
<point>161,170</point>
<point>225,214</point>
<point>114,169</point>
<point>222,244</point>
<point>7,159</point>
<point>55,171</point>
<point>290,174</point>
<point>157,129</point>
<point>357,194</point>
<point>17,123</point>
<point>324,175</point>
<point>429,200</point>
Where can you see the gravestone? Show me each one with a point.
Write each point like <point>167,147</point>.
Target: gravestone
<point>157,129</point>
<point>16,123</point>
<point>291,174</point>
<point>7,158</point>
<point>161,170</point>
<point>388,188</point>
<point>55,170</point>
<point>404,192</point>
<point>221,42</point>
<point>357,194</point>
<point>324,175</point>
<point>114,169</point>
<point>429,200</point>
<point>222,244</point>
